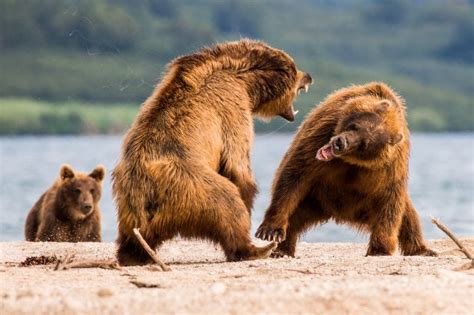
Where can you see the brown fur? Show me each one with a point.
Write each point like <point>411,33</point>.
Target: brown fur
<point>185,164</point>
<point>69,210</point>
<point>364,184</point>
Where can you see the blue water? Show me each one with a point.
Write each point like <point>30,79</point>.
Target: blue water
<point>441,179</point>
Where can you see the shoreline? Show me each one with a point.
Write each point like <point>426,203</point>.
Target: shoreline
<point>323,278</point>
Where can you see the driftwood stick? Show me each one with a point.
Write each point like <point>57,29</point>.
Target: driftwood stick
<point>150,251</point>
<point>104,264</point>
<point>443,228</point>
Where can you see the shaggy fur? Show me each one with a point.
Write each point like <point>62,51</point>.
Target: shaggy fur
<point>185,163</point>
<point>348,162</point>
<point>69,210</point>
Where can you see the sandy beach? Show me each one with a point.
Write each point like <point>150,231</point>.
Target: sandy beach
<point>324,278</point>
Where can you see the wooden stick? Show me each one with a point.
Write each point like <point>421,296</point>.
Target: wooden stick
<point>150,251</point>
<point>443,228</point>
<point>105,264</point>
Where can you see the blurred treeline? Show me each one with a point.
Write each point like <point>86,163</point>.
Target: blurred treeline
<point>85,66</point>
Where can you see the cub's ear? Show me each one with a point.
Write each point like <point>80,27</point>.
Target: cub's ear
<point>98,173</point>
<point>394,139</point>
<point>382,106</point>
<point>66,172</point>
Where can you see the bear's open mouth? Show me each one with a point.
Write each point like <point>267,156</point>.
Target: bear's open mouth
<point>325,153</point>
<point>304,87</point>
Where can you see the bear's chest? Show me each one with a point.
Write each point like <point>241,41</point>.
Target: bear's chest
<point>70,232</point>
<point>347,194</point>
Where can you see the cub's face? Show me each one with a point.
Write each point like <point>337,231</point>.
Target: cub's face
<point>79,192</point>
<point>365,135</point>
<point>278,86</point>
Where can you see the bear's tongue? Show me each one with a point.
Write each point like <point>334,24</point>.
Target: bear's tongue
<point>325,153</point>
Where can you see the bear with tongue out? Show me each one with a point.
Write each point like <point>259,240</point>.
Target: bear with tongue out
<point>349,163</point>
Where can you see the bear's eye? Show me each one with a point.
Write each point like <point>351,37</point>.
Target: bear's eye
<point>92,191</point>
<point>352,127</point>
<point>77,191</point>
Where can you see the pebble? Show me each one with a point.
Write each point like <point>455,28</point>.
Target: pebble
<point>218,288</point>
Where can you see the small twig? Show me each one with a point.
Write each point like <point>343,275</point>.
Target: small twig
<point>150,251</point>
<point>443,228</point>
<point>64,261</point>
<point>307,271</point>
<point>144,284</point>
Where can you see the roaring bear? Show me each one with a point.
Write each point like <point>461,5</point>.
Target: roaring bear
<point>185,162</point>
<point>349,163</point>
<point>69,210</point>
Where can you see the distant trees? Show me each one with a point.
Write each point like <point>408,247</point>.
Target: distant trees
<point>84,24</point>
<point>391,12</point>
<point>114,50</point>
<point>461,47</point>
<point>238,17</point>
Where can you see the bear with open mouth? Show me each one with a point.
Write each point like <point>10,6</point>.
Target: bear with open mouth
<point>185,163</point>
<point>349,163</point>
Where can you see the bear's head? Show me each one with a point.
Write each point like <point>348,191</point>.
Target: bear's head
<point>368,132</point>
<point>79,193</point>
<point>278,83</point>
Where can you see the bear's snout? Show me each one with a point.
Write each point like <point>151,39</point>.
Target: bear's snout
<point>86,208</point>
<point>339,144</point>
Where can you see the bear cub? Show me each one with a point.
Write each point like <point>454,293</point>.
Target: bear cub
<point>349,163</point>
<point>69,210</point>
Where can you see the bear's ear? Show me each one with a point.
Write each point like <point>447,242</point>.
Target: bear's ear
<point>394,139</point>
<point>382,106</point>
<point>66,172</point>
<point>98,173</point>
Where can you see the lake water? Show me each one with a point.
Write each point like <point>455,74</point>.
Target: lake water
<point>441,179</point>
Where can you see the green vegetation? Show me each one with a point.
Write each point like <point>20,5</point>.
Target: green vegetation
<point>23,116</point>
<point>66,64</point>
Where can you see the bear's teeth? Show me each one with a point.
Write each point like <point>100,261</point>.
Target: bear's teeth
<point>295,112</point>
<point>306,88</point>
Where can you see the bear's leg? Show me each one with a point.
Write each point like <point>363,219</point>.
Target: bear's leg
<point>204,204</point>
<point>225,219</point>
<point>247,189</point>
<point>130,252</point>
<point>236,168</point>
<point>410,237</point>
<point>384,226</point>
<point>305,216</point>
<point>32,221</point>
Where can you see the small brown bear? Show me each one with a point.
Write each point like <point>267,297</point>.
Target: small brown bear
<point>348,162</point>
<point>185,163</point>
<point>69,210</point>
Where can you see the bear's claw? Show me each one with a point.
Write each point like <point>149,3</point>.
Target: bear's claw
<point>269,234</point>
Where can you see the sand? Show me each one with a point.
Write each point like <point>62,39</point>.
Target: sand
<point>325,278</point>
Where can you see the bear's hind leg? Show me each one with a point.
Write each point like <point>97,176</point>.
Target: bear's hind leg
<point>130,252</point>
<point>227,221</point>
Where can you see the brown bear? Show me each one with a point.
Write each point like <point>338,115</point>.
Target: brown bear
<point>185,162</point>
<point>69,210</point>
<point>349,163</point>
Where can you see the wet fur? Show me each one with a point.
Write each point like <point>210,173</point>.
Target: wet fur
<point>367,193</point>
<point>55,217</point>
<point>185,164</point>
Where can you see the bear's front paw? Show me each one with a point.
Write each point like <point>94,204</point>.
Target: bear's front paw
<point>269,233</point>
